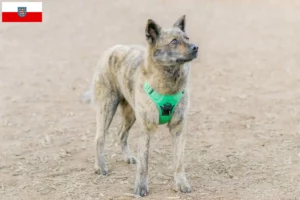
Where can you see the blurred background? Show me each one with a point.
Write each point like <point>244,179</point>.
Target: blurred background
<point>244,133</point>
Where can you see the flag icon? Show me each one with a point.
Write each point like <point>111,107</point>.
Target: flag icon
<point>22,12</point>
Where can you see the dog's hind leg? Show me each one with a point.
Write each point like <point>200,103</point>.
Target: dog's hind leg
<point>106,106</point>
<point>128,121</point>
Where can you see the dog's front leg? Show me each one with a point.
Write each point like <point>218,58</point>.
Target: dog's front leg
<point>141,183</point>
<point>178,132</point>
<point>147,119</point>
<point>178,129</point>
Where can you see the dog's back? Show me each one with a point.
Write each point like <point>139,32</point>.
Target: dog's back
<point>117,69</point>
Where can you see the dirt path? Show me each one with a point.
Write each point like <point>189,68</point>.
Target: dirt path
<point>244,132</point>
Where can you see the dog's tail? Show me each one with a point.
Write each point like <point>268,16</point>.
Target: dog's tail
<point>86,97</point>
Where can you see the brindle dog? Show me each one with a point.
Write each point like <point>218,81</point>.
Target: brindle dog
<point>119,80</point>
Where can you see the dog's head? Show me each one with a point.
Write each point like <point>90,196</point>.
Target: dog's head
<point>170,46</point>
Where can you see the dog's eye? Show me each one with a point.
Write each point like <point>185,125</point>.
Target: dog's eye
<point>174,42</point>
<point>187,38</point>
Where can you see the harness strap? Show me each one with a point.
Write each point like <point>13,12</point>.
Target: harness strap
<point>166,104</point>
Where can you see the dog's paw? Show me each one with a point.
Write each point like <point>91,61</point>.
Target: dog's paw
<point>141,190</point>
<point>130,160</point>
<point>104,172</point>
<point>183,187</point>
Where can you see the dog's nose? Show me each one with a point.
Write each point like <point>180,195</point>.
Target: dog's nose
<point>194,48</point>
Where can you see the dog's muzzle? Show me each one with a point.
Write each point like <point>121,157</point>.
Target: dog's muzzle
<point>194,50</point>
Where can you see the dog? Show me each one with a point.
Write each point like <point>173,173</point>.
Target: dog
<point>138,79</point>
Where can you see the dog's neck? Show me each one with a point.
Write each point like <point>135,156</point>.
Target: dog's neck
<point>167,79</point>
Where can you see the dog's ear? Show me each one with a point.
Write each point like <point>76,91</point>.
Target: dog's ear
<point>180,23</point>
<point>152,31</point>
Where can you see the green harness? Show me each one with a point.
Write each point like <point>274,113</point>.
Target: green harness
<point>166,104</point>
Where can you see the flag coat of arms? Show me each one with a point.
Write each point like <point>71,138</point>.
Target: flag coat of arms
<point>22,12</point>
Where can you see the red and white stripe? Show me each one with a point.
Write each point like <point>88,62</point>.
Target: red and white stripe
<point>34,12</point>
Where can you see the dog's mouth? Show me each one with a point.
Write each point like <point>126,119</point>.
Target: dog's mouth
<point>183,60</point>
<point>190,58</point>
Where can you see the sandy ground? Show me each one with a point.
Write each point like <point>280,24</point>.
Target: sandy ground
<point>244,132</point>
